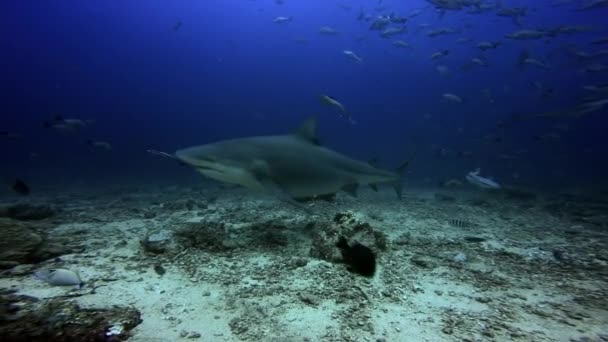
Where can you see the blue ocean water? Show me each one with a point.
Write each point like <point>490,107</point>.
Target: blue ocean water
<point>167,75</point>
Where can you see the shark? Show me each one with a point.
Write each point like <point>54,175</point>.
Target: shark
<point>292,166</point>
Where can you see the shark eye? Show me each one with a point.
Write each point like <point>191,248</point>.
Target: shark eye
<point>210,159</point>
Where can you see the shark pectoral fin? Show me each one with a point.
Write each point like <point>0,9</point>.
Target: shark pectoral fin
<point>284,197</point>
<point>351,189</point>
<point>374,187</point>
<point>263,175</point>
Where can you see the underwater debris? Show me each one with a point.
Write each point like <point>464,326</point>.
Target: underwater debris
<point>159,269</point>
<point>62,321</point>
<point>474,239</point>
<point>206,235</point>
<point>460,258</point>
<point>359,258</point>
<point>59,277</point>
<point>157,242</point>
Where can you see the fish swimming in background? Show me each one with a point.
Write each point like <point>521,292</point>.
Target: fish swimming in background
<point>61,124</point>
<point>291,167</point>
<point>474,178</point>
<point>600,41</point>
<point>359,258</point>
<point>393,31</point>
<point>104,145</point>
<point>10,135</point>
<point>452,98</point>
<point>602,88</point>
<point>515,13</point>
<point>439,54</point>
<point>595,4</point>
<point>401,44</point>
<point>526,35</point>
<point>282,20</point>
<point>177,25</point>
<point>484,46</point>
<point>20,187</point>
<point>330,101</point>
<point>443,71</point>
<point>380,23</point>
<point>535,62</point>
<point>328,31</point>
<point>353,56</point>
<point>59,277</point>
<point>440,32</point>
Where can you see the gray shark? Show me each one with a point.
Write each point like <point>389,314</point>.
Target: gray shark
<point>293,166</point>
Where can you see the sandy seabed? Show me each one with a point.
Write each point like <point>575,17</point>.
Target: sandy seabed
<point>225,264</point>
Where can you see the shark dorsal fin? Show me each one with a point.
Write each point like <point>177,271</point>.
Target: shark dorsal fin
<point>308,131</point>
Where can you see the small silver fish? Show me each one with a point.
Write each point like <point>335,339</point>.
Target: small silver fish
<point>452,98</point>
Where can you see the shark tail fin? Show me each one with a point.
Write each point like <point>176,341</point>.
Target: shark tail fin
<point>398,184</point>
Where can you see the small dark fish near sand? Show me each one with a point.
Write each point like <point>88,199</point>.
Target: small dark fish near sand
<point>359,258</point>
<point>20,187</point>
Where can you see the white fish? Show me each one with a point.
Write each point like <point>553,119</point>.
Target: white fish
<point>452,98</point>
<point>282,20</point>
<point>59,277</point>
<point>401,44</point>
<point>479,61</point>
<point>595,67</point>
<point>474,178</point>
<point>443,70</point>
<point>353,56</point>
<point>594,5</point>
<point>329,31</point>
<point>535,62</point>
<point>597,88</point>
<point>526,34</point>
<point>464,40</point>
<point>393,31</point>
<point>100,144</point>
<point>439,54</point>
<point>488,45</point>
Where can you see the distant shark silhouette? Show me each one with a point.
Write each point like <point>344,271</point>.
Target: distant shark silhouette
<point>293,166</point>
